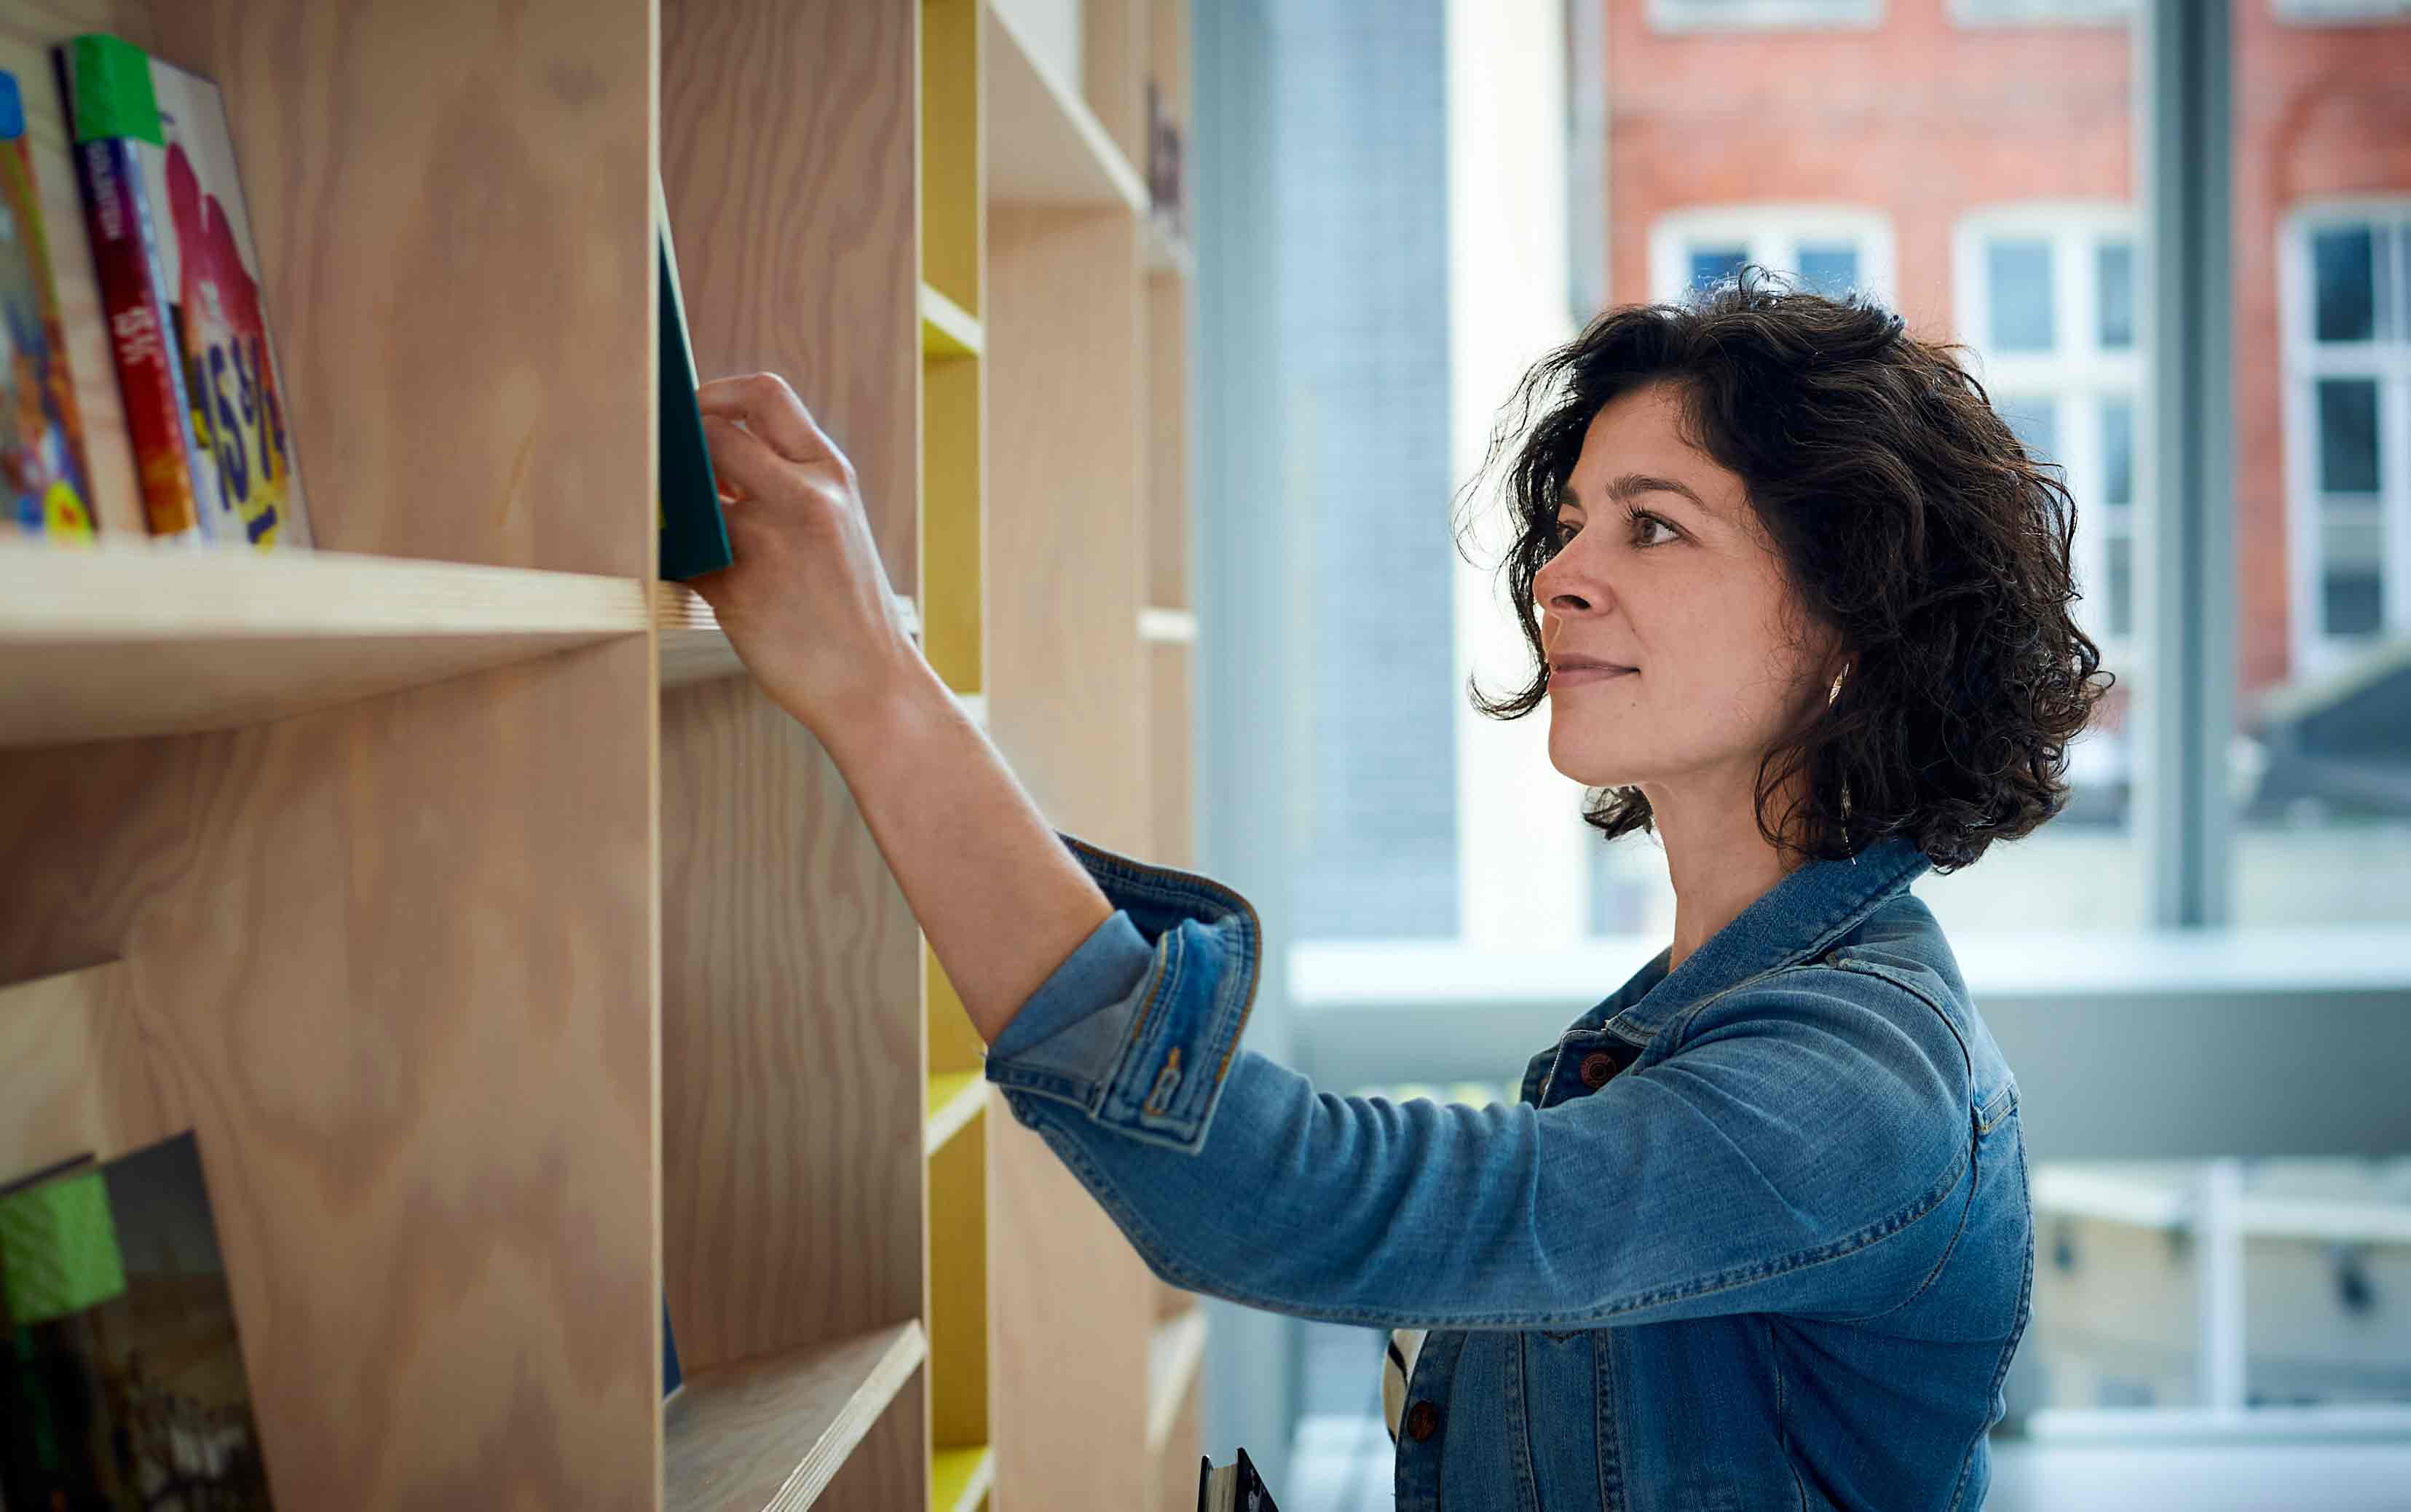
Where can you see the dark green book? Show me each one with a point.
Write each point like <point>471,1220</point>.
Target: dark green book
<point>694,534</point>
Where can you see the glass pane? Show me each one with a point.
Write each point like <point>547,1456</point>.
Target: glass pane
<point>2114,277</point>
<point>1829,267</point>
<point>2018,276</point>
<point>2117,451</point>
<point>1356,292</point>
<point>2035,420</point>
<point>2320,753</point>
<point>1712,266</point>
<point>2344,288</point>
<point>2121,586</point>
<point>2347,420</point>
<point>2351,601</point>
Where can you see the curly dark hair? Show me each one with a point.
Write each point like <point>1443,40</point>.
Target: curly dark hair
<point>1910,521</point>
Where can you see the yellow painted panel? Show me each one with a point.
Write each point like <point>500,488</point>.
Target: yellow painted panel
<point>952,519</point>
<point>958,1288</point>
<point>954,186</point>
<point>954,1044</point>
<point>958,1478</point>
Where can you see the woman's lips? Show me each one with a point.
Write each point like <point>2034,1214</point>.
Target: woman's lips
<point>1574,676</point>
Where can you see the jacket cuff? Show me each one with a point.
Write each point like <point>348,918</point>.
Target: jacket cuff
<point>1138,1025</point>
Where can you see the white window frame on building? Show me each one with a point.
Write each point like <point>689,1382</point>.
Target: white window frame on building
<point>2385,359</point>
<point>2042,12</point>
<point>2342,12</point>
<point>1771,234</point>
<point>1764,15</point>
<point>2077,376</point>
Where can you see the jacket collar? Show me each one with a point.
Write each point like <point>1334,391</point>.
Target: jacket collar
<point>1797,918</point>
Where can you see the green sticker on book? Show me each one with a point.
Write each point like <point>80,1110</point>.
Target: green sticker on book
<point>58,1248</point>
<point>111,90</point>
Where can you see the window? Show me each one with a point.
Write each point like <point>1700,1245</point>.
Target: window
<point>1714,15</point>
<point>2041,12</point>
<point>2333,12</point>
<point>2046,295</point>
<point>2346,317</point>
<point>1830,249</point>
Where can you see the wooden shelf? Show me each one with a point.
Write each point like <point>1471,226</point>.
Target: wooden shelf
<point>1168,626</point>
<point>956,1098</point>
<point>946,331</point>
<point>129,638</point>
<point>959,1478</point>
<point>1174,1353</point>
<point>768,1433</point>
<point>693,646</point>
<point>1045,146</point>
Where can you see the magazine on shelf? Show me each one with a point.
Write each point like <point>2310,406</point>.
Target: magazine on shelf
<point>121,1382</point>
<point>48,480</point>
<point>205,402</point>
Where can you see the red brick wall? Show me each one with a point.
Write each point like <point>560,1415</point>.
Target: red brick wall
<point>1925,119</point>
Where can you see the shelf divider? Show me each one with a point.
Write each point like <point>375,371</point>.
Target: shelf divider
<point>768,1433</point>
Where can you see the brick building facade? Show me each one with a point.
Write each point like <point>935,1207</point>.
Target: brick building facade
<point>1974,160</point>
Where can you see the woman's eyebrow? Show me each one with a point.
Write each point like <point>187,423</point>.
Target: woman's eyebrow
<point>1631,484</point>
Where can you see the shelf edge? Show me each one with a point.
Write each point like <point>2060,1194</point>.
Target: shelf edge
<point>764,1396</point>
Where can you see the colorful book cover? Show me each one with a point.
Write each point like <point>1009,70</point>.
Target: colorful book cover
<point>179,280</point>
<point>121,1382</point>
<point>693,533</point>
<point>41,435</point>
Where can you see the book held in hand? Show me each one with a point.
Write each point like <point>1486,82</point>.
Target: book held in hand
<point>1231,1487</point>
<point>694,532</point>
<point>179,286</point>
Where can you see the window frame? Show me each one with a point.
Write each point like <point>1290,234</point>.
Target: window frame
<point>1773,231</point>
<point>1982,14</point>
<point>2302,361</point>
<point>2078,374</point>
<point>1689,16</point>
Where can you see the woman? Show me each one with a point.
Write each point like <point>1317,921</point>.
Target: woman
<point>1756,1233</point>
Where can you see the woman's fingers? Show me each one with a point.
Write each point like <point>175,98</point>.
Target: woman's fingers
<point>742,459</point>
<point>770,409</point>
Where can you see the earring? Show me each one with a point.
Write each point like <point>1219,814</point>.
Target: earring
<point>1831,695</point>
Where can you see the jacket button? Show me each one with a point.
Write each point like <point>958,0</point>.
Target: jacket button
<point>1422,1419</point>
<point>1597,1068</point>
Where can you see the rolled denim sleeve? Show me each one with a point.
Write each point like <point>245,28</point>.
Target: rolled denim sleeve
<point>1137,1027</point>
<point>1806,1148</point>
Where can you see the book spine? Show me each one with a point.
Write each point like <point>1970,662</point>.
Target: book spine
<point>141,341</point>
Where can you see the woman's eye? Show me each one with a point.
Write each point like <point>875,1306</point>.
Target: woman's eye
<point>1643,521</point>
<point>1565,533</point>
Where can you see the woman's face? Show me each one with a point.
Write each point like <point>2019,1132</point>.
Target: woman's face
<point>1665,571</point>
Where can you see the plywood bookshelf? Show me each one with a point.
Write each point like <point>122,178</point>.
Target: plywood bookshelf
<point>515,962</point>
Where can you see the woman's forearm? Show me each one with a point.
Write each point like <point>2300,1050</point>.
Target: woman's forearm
<point>1002,900</point>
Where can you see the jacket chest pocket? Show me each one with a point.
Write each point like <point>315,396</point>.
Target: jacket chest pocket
<point>1568,1410</point>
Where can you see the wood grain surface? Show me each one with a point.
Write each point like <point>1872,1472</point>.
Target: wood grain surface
<point>787,155</point>
<point>451,202</point>
<point>395,968</point>
<point>791,1042</point>
<point>75,1071</point>
<point>1065,490</point>
<point>1167,439</point>
<point>772,1432</point>
<point>1070,1301</point>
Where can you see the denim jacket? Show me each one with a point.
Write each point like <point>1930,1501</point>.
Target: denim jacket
<point>1755,1234</point>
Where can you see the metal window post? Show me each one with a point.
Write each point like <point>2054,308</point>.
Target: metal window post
<point>2185,145</point>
